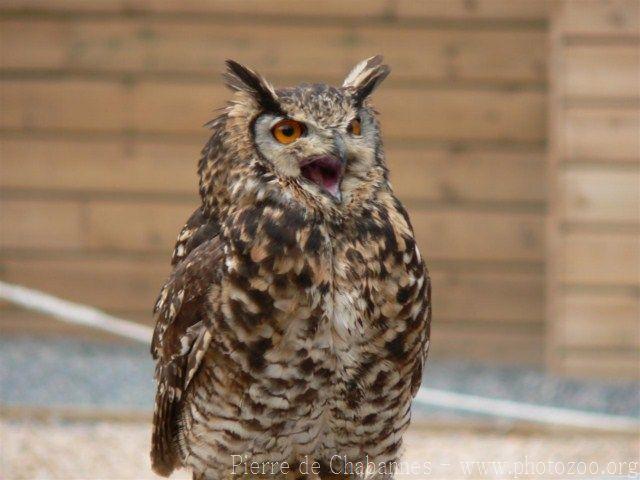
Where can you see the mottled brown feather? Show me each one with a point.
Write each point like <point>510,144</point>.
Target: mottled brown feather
<point>181,316</point>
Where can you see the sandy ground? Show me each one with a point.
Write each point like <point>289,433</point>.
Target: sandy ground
<point>90,450</point>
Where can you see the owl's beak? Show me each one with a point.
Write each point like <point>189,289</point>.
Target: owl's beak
<point>326,172</point>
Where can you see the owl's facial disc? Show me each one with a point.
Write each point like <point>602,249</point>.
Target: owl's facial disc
<point>325,171</point>
<point>303,149</point>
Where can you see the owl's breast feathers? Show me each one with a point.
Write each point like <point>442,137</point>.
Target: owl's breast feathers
<point>263,286</point>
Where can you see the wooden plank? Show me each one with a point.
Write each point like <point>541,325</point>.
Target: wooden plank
<point>601,71</point>
<point>405,113</point>
<point>176,107</point>
<point>114,166</point>
<point>110,283</point>
<point>482,9</point>
<point>596,194</point>
<point>493,297</point>
<point>136,226</point>
<point>360,9</point>
<point>467,176</point>
<point>600,320</point>
<point>461,115</point>
<point>606,134</point>
<point>96,165</point>
<point>63,104</point>
<point>599,259</point>
<point>63,5</point>
<point>451,234</point>
<point>334,9</point>
<point>182,108</point>
<point>187,47</point>
<point>599,17</point>
<point>41,224</point>
<point>96,225</point>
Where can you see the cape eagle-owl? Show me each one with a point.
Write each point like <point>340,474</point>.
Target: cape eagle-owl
<point>294,326</point>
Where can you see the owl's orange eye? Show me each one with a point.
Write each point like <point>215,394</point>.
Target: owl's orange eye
<point>287,131</point>
<point>355,128</point>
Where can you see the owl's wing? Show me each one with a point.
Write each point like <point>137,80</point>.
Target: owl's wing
<point>424,317</point>
<point>182,334</point>
<point>199,228</point>
<point>415,299</point>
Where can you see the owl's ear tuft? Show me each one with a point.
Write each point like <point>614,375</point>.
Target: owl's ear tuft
<point>365,77</point>
<point>240,78</point>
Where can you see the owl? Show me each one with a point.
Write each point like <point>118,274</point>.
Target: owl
<point>291,335</point>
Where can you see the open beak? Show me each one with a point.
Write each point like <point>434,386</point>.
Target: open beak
<point>325,171</point>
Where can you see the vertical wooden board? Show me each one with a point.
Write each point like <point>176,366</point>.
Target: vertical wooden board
<point>596,59</point>
<point>600,319</point>
<point>143,227</point>
<point>554,157</point>
<point>41,224</point>
<point>97,165</point>
<point>63,104</point>
<point>536,10</point>
<point>491,297</point>
<point>451,234</point>
<point>607,134</point>
<point>441,174</point>
<point>108,282</point>
<point>596,194</point>
<point>599,259</point>
<point>599,17</point>
<point>602,71</point>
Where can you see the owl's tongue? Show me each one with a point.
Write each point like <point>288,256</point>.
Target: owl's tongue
<point>325,172</point>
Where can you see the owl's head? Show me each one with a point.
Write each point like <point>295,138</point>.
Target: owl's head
<point>324,139</point>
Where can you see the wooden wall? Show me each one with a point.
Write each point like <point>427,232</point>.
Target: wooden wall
<point>103,104</point>
<point>594,222</point>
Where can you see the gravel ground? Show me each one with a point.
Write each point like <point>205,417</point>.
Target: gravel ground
<point>66,372</point>
<point>109,451</point>
<point>119,377</point>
